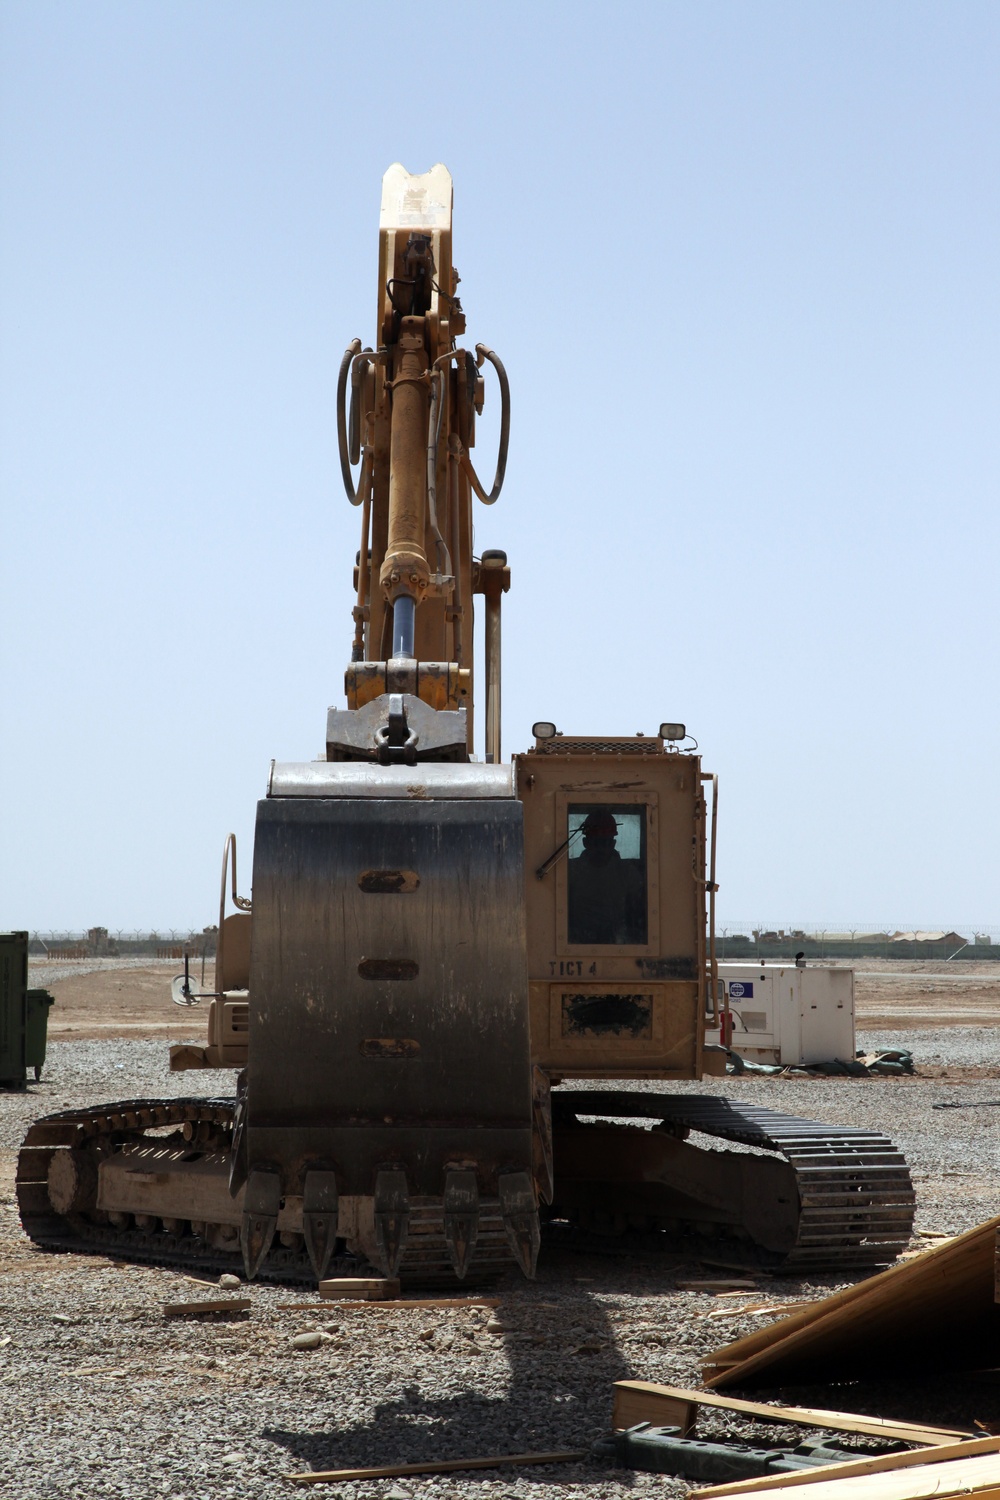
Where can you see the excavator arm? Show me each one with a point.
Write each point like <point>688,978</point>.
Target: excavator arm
<point>406,411</point>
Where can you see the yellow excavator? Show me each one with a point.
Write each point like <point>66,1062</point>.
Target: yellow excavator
<point>438,945</point>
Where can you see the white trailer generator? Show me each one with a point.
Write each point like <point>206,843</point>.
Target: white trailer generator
<point>781,1013</point>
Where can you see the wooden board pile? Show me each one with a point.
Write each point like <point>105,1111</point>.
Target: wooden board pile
<point>938,1310</point>
<point>948,1462</point>
<point>939,1307</point>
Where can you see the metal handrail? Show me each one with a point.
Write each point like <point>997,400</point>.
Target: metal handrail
<point>241,902</point>
<point>713,964</point>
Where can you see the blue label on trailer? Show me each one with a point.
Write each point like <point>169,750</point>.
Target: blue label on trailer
<point>740,989</point>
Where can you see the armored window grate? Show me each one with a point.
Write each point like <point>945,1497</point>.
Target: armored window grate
<point>561,746</point>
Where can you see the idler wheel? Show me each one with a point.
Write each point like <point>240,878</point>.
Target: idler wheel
<point>72,1181</point>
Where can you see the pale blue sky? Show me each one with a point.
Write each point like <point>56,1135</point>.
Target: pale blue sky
<point>741,261</point>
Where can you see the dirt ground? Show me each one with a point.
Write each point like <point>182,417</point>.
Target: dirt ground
<point>890,994</point>
<point>124,998</point>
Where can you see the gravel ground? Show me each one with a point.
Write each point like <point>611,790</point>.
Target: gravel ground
<point>100,1396</point>
<point>49,970</point>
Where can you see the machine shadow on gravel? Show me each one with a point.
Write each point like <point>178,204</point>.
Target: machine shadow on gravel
<point>563,1361</point>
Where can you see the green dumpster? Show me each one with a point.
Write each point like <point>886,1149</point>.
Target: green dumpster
<point>24,1014</point>
<point>36,1027</point>
<point>13,1008</point>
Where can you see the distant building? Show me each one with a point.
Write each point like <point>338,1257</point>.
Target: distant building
<point>827,935</point>
<point>927,937</point>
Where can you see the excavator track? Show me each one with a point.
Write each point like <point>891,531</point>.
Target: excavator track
<point>108,1128</point>
<point>855,1196</point>
<point>113,1127</point>
<point>856,1200</point>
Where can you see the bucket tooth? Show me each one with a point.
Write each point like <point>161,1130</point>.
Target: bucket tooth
<point>520,1218</point>
<point>238,1165</point>
<point>461,1217</point>
<point>319,1218</point>
<point>392,1219</point>
<point>260,1218</point>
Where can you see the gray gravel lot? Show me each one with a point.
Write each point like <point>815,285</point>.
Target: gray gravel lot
<point>100,1397</point>
<point>49,971</point>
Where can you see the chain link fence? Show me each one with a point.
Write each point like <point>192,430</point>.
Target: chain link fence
<point>734,940</point>
<point>758,939</point>
<point>103,942</point>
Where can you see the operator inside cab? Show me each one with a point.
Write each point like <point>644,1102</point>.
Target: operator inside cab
<point>607,876</point>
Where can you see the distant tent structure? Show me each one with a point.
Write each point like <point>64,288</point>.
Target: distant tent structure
<point>927,937</point>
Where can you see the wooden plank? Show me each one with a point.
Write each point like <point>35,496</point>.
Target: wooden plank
<point>760,1310</point>
<point>197,1309</point>
<point>441,1466</point>
<point>401,1304</point>
<point>978,1475</point>
<point>633,1405</point>
<point>361,1283</point>
<point>649,1399</point>
<point>849,1468</point>
<point>367,1288</point>
<point>727,1284</point>
<point>941,1301</point>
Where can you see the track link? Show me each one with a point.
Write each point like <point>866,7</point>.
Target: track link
<point>856,1197</point>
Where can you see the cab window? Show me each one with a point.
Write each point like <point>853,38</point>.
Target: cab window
<point>606,875</point>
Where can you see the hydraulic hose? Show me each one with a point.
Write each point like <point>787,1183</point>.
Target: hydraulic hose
<point>355,361</point>
<point>352,349</point>
<point>482,353</point>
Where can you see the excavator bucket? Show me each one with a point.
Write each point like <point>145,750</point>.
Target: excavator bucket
<point>389,1078</point>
